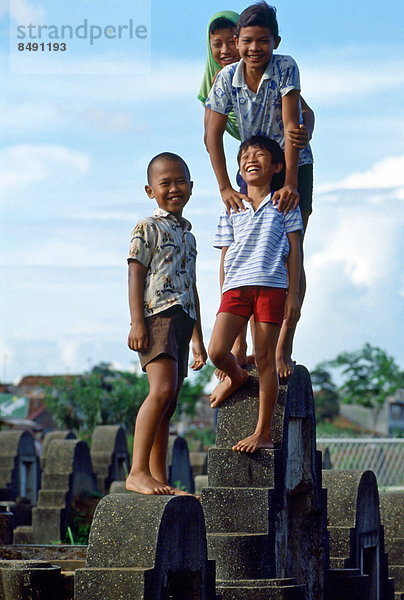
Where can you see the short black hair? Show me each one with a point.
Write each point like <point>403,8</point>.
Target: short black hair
<point>170,156</point>
<point>261,141</point>
<point>221,23</point>
<point>259,15</point>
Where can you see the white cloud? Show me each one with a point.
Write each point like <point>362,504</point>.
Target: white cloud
<point>331,83</point>
<point>24,13</point>
<point>385,174</point>
<point>25,164</point>
<point>362,242</point>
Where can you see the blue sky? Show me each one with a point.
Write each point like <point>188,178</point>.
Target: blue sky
<point>78,130</point>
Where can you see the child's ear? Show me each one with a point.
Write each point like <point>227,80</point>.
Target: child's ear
<point>277,41</point>
<point>149,191</point>
<point>191,187</point>
<point>278,167</point>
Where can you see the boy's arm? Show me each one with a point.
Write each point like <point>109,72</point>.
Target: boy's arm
<point>214,143</point>
<point>138,337</point>
<point>292,304</point>
<point>198,348</point>
<point>287,197</point>
<point>221,267</point>
<point>301,137</point>
<point>205,125</point>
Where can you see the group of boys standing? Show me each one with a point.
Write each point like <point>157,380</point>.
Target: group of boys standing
<point>260,236</point>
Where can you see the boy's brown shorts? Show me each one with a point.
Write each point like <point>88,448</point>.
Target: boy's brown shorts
<point>170,332</point>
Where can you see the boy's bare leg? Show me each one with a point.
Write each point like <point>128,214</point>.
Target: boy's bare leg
<point>226,329</point>
<point>163,384</point>
<point>284,363</point>
<point>266,337</point>
<point>158,454</point>
<point>239,350</point>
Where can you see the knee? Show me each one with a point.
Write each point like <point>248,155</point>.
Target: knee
<point>265,362</point>
<point>216,354</point>
<point>164,396</point>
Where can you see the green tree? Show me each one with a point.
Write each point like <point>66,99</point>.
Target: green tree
<point>104,396</point>
<point>99,397</point>
<point>369,376</point>
<point>326,397</point>
<point>192,391</point>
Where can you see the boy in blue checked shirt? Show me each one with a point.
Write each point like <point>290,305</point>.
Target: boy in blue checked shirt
<point>261,256</point>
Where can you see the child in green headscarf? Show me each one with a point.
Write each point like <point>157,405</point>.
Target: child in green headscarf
<point>221,52</point>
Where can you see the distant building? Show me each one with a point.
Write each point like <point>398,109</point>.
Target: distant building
<point>396,413</point>
<point>387,420</point>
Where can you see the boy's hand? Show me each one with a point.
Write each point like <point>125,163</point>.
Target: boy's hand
<point>287,198</point>
<point>292,310</point>
<point>233,199</point>
<point>200,356</point>
<point>299,137</point>
<point>138,338</point>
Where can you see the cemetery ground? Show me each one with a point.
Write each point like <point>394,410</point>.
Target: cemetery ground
<point>288,523</point>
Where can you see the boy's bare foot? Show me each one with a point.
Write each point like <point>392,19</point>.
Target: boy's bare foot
<point>146,484</point>
<point>254,442</point>
<point>284,365</point>
<point>242,360</point>
<point>178,492</point>
<point>227,387</point>
<point>221,375</point>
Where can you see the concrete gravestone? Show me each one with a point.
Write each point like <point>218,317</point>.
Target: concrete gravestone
<point>265,512</point>
<point>146,548</point>
<point>68,474</point>
<point>109,455</point>
<point>19,466</point>
<point>357,557</point>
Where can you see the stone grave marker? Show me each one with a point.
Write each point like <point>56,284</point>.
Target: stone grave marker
<point>109,455</point>
<point>146,548</point>
<point>357,556</point>
<point>265,512</point>
<point>49,437</point>
<point>19,466</point>
<point>68,475</point>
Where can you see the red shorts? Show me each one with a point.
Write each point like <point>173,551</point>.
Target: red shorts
<point>267,304</point>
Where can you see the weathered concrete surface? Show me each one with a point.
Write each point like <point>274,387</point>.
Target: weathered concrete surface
<point>265,512</point>
<point>19,466</point>
<point>109,455</point>
<point>29,580</point>
<point>391,507</point>
<point>150,544</point>
<point>356,533</point>
<point>68,475</point>
<point>49,437</point>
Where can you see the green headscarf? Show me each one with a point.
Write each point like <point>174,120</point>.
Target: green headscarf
<point>212,68</point>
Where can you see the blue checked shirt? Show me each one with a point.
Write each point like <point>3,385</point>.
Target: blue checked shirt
<point>258,247</point>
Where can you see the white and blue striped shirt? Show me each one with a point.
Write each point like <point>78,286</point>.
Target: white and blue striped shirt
<point>258,247</point>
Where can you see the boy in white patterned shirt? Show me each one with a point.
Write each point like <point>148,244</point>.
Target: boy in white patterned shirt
<point>165,316</point>
<point>261,257</point>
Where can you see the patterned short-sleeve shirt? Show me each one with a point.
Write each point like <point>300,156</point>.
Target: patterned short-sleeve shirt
<point>167,248</point>
<point>260,112</point>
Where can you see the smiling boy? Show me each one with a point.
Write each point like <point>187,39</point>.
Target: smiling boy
<point>256,245</point>
<point>165,316</point>
<point>263,91</point>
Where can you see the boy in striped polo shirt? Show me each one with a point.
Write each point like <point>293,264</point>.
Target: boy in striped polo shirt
<point>261,257</point>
